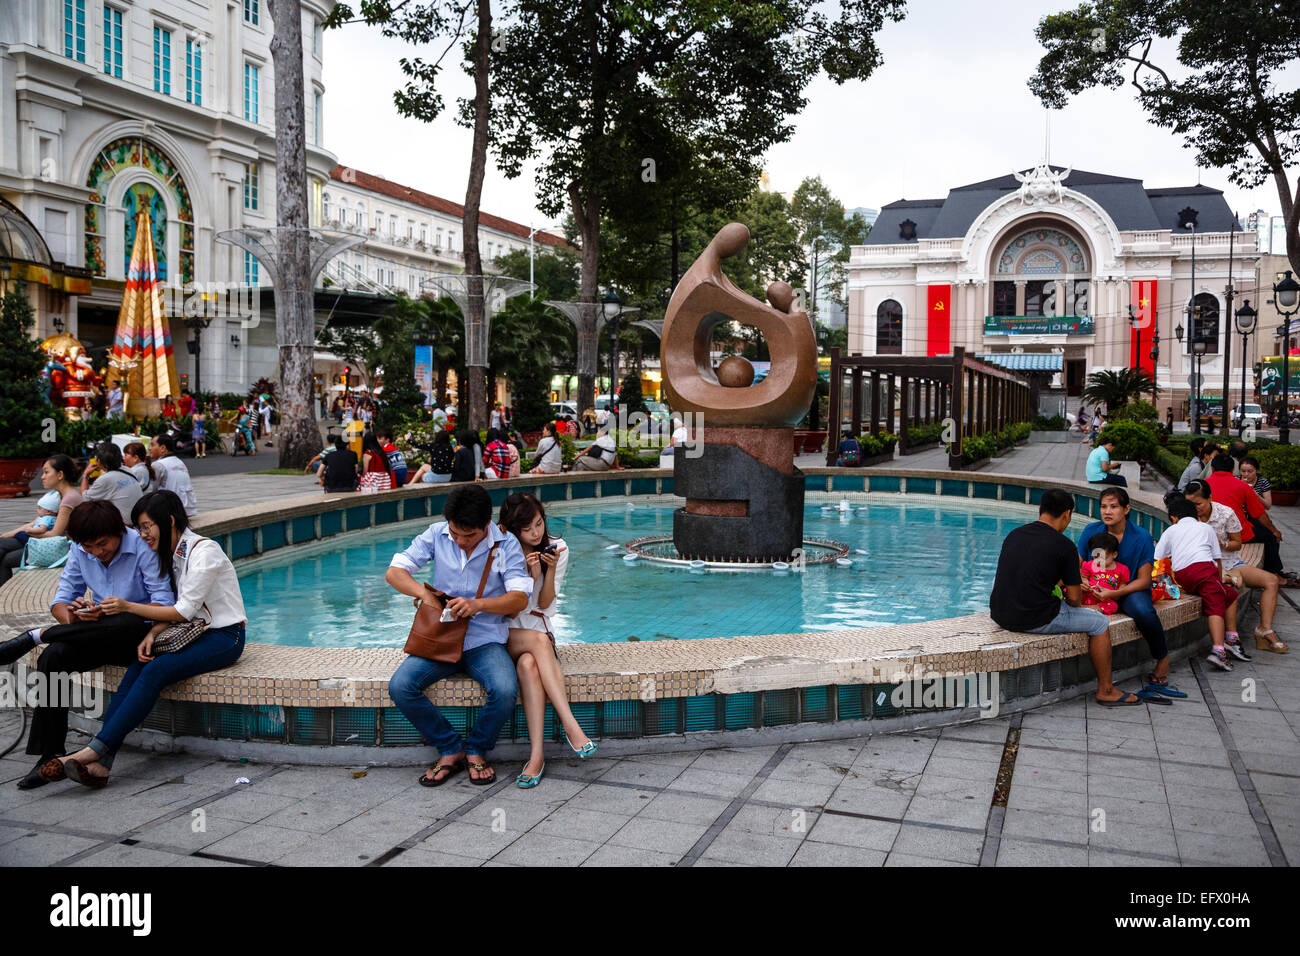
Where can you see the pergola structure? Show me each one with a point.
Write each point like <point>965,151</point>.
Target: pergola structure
<point>976,396</point>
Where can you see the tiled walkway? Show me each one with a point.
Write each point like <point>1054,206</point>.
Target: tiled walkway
<point>1214,779</point>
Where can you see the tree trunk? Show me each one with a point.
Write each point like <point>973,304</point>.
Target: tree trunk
<point>586,213</point>
<point>295,323</point>
<point>473,400</point>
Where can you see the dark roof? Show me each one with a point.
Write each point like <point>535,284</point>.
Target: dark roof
<point>1125,200</point>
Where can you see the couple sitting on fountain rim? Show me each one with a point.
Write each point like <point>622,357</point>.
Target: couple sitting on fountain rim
<point>509,632</point>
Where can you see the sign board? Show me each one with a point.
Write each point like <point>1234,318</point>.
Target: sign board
<point>1270,376</point>
<point>1038,325</point>
<point>424,372</point>
<point>1194,379</point>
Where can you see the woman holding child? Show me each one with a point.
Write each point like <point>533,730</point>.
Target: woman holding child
<point>531,643</point>
<point>207,589</point>
<point>59,475</point>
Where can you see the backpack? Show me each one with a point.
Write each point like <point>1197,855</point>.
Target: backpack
<point>850,451</point>
<point>396,460</point>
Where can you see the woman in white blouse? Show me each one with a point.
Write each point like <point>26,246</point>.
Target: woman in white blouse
<point>206,589</point>
<point>531,641</point>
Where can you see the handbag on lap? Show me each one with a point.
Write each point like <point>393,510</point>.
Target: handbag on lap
<point>431,637</point>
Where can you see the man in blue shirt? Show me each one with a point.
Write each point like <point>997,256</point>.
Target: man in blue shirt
<point>459,548</point>
<point>112,561</point>
<point>1137,552</point>
<point>1099,467</point>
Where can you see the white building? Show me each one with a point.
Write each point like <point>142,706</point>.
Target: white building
<point>1047,264</point>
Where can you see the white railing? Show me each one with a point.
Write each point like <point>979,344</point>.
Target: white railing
<point>895,249</point>
<point>1244,240</point>
<point>1149,238</point>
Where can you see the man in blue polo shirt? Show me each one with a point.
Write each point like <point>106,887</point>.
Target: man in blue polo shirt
<point>459,548</point>
<point>112,561</point>
<point>1098,469</point>
<point>1136,552</point>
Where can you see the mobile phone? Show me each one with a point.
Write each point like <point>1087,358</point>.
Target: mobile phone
<point>549,549</point>
<point>86,610</point>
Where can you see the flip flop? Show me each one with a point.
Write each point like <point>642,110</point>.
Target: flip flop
<point>77,771</point>
<point>1154,697</point>
<point>1164,688</point>
<point>1122,702</point>
<point>479,782</point>
<point>452,769</point>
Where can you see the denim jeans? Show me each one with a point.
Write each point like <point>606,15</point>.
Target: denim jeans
<point>490,665</point>
<point>142,684</point>
<point>1072,620</point>
<point>1139,607</point>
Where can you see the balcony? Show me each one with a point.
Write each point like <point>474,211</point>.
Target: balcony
<point>1038,325</point>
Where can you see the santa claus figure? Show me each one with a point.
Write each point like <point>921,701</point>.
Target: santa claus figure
<point>82,385</point>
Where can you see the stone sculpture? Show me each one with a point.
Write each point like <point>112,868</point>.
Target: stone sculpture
<point>744,496</point>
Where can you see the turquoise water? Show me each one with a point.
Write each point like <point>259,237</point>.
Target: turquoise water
<point>925,559</point>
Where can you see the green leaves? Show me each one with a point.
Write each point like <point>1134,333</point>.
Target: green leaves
<point>24,396</point>
<point>1114,389</point>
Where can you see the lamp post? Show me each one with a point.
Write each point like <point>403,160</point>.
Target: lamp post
<point>612,306</point>
<point>532,231</point>
<point>1286,292</point>
<point>1133,324</point>
<point>1155,362</point>
<point>1187,218</point>
<point>1200,345</point>
<point>1229,293</point>
<point>1245,319</point>
<point>196,325</point>
<point>1178,333</point>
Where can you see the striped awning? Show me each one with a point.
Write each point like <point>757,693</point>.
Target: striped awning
<point>1026,361</point>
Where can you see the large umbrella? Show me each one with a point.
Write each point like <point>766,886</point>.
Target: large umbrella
<point>142,345</point>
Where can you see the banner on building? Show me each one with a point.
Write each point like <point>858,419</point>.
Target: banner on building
<point>938,339</point>
<point>1142,332</point>
<point>1270,377</point>
<point>424,372</point>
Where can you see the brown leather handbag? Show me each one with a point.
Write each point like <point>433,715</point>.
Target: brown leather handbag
<point>433,638</point>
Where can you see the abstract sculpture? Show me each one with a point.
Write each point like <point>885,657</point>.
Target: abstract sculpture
<point>744,496</point>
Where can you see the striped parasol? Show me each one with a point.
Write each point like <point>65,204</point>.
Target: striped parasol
<point>142,357</point>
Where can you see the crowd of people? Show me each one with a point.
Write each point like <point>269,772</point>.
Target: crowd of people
<point>1221,542</point>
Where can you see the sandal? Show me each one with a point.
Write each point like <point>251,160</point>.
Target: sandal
<point>1265,642</point>
<point>482,766</point>
<point>77,771</point>
<point>453,768</point>
<point>1122,702</point>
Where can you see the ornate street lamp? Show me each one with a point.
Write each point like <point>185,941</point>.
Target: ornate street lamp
<point>1245,319</point>
<point>612,306</point>
<point>1200,346</point>
<point>197,325</point>
<point>1286,292</point>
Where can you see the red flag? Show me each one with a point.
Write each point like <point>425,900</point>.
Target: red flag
<point>1140,336</point>
<point>938,339</point>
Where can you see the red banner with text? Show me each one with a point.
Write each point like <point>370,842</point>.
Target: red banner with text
<point>1143,331</point>
<point>938,338</point>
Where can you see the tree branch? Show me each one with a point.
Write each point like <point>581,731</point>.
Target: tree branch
<point>1144,61</point>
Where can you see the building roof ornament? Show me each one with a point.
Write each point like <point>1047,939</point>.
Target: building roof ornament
<point>1042,185</point>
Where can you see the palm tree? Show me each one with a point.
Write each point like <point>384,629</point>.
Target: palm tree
<point>1114,389</point>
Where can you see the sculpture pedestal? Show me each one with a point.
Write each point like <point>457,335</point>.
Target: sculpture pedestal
<point>744,496</point>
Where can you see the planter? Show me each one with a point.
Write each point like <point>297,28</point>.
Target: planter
<point>531,439</point>
<point>877,459</point>
<point>16,475</point>
<point>1285,497</point>
<point>916,449</point>
<point>972,465</point>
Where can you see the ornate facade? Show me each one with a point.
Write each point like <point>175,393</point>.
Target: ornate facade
<point>1047,263</point>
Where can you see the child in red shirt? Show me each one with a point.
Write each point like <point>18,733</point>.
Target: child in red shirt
<point>1103,572</point>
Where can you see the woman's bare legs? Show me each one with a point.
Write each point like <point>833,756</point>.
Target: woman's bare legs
<point>538,645</point>
<point>530,689</point>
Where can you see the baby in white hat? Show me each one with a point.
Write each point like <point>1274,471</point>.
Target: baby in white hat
<point>47,509</point>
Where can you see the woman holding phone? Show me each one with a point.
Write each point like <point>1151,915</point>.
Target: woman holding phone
<point>207,589</point>
<point>531,642</point>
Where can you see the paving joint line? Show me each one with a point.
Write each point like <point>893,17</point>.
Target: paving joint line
<point>998,808</point>
<point>729,813</point>
<point>1272,846</point>
<point>442,822</point>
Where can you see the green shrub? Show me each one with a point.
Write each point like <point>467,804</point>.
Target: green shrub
<point>1281,466</point>
<point>1133,442</point>
<point>977,447</point>
<point>231,401</point>
<point>75,437</point>
<point>1144,413</point>
<point>630,459</point>
<point>923,434</point>
<point>24,400</point>
<point>1055,423</point>
<point>881,443</point>
<point>1170,463</point>
<point>1019,430</point>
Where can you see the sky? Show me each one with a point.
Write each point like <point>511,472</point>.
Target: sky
<point>949,106</point>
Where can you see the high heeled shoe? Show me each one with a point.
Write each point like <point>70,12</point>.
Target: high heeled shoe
<point>1265,642</point>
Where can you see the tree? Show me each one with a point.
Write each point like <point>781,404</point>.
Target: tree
<point>24,394</point>
<point>529,340</point>
<point>422,24</point>
<point>445,326</point>
<point>351,343</point>
<point>394,352</point>
<point>828,235</point>
<point>294,304</point>
<point>555,271</point>
<point>1114,389</point>
<point>1220,95</point>
<point>730,73</point>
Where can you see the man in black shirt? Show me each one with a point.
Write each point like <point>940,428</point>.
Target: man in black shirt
<point>1035,559</point>
<point>340,468</point>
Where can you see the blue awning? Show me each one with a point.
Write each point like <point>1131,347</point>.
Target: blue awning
<point>1026,361</point>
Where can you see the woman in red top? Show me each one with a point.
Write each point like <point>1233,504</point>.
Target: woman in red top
<point>374,461</point>
<point>168,408</point>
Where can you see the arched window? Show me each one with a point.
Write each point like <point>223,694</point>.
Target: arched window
<point>889,328</point>
<point>1206,322</point>
<point>325,201</point>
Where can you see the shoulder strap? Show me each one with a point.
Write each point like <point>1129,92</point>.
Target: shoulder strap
<point>487,566</point>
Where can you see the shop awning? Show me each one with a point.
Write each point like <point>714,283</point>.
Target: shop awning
<point>1026,361</point>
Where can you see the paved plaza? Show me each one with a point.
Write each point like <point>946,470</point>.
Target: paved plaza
<point>1211,780</point>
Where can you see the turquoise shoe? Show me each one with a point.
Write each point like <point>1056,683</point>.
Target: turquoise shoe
<point>525,782</point>
<point>583,752</point>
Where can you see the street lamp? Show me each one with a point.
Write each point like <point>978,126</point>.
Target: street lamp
<point>1199,347</point>
<point>612,306</point>
<point>532,231</point>
<point>1285,294</point>
<point>1245,320</point>
<point>196,325</point>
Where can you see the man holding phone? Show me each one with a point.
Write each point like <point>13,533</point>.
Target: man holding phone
<point>111,560</point>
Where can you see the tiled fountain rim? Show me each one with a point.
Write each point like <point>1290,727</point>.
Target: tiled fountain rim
<point>347,677</point>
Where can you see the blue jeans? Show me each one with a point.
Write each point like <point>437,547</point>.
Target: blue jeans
<point>1139,607</point>
<point>1118,480</point>
<point>1072,620</point>
<point>432,479</point>
<point>142,684</point>
<point>490,665</point>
